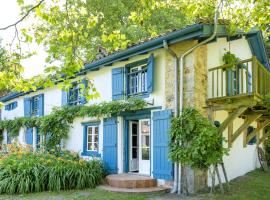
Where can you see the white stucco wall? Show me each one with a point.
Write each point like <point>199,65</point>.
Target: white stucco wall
<point>216,50</point>
<point>240,159</point>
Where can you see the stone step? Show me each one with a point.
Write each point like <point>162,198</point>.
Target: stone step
<point>135,190</point>
<point>130,181</point>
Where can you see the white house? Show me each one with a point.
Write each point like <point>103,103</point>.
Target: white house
<point>137,142</point>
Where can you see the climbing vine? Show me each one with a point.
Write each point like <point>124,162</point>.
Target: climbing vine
<point>201,143</point>
<point>58,123</point>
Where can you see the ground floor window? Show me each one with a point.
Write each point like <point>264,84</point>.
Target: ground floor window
<point>92,138</point>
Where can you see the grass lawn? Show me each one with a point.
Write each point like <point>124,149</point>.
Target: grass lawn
<point>253,186</point>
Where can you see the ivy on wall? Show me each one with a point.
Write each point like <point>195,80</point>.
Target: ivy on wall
<point>201,143</point>
<point>58,123</point>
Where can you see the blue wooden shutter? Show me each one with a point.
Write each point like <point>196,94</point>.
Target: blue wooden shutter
<point>64,97</point>
<point>8,139</point>
<point>110,145</point>
<point>230,82</point>
<point>29,136</point>
<point>82,98</point>
<point>7,107</point>
<point>27,107</point>
<point>249,86</point>
<point>150,74</point>
<point>37,138</point>
<point>250,129</point>
<point>40,104</point>
<point>118,83</point>
<point>162,166</point>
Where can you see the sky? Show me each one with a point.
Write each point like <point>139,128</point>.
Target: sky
<point>9,13</point>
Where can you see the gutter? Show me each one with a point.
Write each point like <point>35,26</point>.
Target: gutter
<point>177,167</point>
<point>176,113</point>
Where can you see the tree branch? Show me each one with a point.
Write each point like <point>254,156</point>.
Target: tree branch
<point>23,17</point>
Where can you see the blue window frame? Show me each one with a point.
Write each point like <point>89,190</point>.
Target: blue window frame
<point>136,78</point>
<point>11,106</point>
<point>91,139</point>
<point>74,95</point>
<point>34,105</point>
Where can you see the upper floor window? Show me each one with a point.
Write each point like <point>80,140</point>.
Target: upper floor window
<point>135,79</point>
<point>11,106</point>
<point>34,106</point>
<point>75,95</point>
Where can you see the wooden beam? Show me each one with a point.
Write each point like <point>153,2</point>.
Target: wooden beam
<point>245,136</point>
<point>244,126</point>
<point>257,130</point>
<point>265,136</point>
<point>230,134</point>
<point>236,113</point>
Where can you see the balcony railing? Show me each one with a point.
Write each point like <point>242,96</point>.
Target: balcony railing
<point>244,78</point>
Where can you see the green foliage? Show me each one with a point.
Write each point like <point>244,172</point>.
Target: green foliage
<point>267,150</point>
<point>58,123</point>
<point>195,141</point>
<point>73,30</point>
<point>230,58</point>
<point>25,172</point>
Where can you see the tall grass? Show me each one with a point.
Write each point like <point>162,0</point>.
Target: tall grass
<point>34,172</point>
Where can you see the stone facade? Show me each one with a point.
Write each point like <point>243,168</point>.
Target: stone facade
<point>195,94</point>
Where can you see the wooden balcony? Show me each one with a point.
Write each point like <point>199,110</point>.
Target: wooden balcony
<point>240,84</point>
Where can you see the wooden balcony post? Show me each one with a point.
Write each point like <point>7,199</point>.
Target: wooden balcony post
<point>254,75</point>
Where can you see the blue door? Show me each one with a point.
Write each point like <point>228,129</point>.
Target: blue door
<point>162,166</point>
<point>110,145</point>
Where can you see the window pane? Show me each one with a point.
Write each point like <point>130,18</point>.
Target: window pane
<point>95,146</point>
<point>145,141</point>
<point>96,138</point>
<point>145,126</point>
<point>134,141</point>
<point>134,153</point>
<point>145,154</point>
<point>89,146</point>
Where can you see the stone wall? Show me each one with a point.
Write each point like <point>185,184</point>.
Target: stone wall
<point>195,76</point>
<point>195,94</point>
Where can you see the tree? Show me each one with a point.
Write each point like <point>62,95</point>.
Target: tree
<point>10,70</point>
<point>72,31</point>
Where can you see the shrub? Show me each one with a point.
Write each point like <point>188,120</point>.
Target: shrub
<point>25,172</point>
<point>201,143</point>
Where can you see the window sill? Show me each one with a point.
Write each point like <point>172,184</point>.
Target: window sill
<point>139,95</point>
<point>91,153</point>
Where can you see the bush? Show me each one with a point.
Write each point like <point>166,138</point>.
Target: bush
<point>201,143</point>
<point>267,151</point>
<point>25,172</point>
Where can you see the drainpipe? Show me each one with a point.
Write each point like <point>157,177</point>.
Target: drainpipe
<point>176,113</point>
<point>182,56</point>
